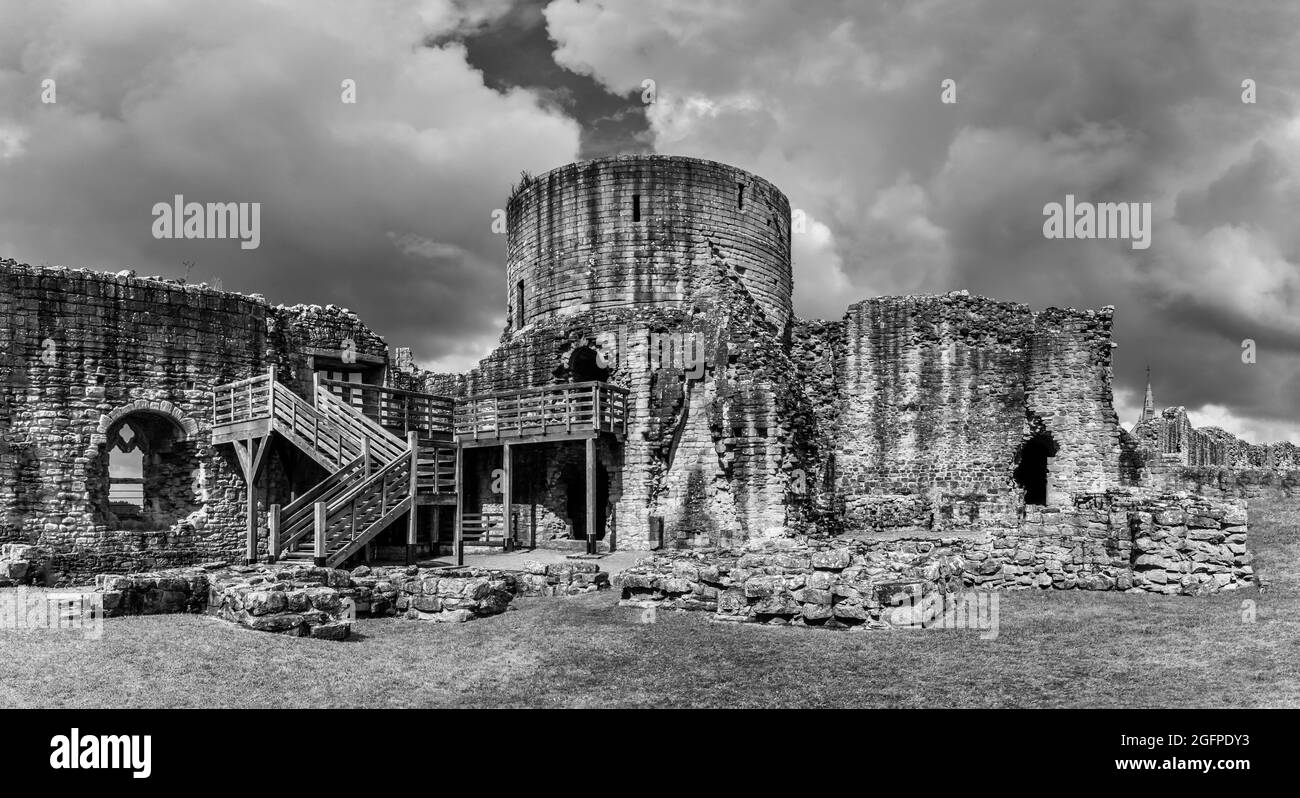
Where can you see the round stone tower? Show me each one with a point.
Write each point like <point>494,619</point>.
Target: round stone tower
<point>643,230</point>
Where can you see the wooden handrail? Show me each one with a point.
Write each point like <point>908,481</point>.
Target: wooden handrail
<point>559,386</point>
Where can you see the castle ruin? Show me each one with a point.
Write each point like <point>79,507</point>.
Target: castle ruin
<point>953,426</point>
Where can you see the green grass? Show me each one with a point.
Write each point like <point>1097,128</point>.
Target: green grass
<point>1054,649</point>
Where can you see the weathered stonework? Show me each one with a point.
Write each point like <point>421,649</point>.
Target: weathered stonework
<point>1174,544</point>
<point>21,564</point>
<point>82,353</point>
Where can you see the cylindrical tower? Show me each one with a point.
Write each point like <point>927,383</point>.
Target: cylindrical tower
<point>643,230</point>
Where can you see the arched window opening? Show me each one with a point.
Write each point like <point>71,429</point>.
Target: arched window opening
<point>126,475</point>
<point>148,474</point>
<point>1031,470</point>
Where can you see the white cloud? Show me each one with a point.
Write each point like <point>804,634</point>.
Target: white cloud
<point>242,103</point>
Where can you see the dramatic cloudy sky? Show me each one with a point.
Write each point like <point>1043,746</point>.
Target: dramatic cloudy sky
<point>385,206</point>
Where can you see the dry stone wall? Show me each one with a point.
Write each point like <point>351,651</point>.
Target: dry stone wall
<point>1117,540</point>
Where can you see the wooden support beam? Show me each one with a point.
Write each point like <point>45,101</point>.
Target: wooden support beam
<point>250,453</point>
<point>250,550</point>
<point>507,496</point>
<point>412,527</point>
<point>591,495</point>
<point>459,544</point>
<point>273,533</point>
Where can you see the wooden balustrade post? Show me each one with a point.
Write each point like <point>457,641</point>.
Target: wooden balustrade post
<point>507,496</point>
<point>591,495</point>
<point>413,443</point>
<point>273,533</point>
<point>459,545</point>
<point>319,522</point>
<point>315,389</point>
<point>365,456</point>
<point>270,391</point>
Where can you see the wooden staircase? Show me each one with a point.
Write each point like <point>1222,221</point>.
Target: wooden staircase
<point>375,476</point>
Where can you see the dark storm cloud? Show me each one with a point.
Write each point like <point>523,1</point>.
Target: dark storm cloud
<point>514,51</point>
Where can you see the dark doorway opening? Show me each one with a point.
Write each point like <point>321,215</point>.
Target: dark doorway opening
<point>1031,471</point>
<point>575,478</point>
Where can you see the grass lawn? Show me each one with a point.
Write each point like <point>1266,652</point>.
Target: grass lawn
<point>1053,649</point>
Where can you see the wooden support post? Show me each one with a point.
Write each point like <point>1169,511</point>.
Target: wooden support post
<point>273,533</point>
<point>591,495</point>
<point>459,545</point>
<point>436,532</point>
<point>250,452</point>
<point>320,532</point>
<point>250,550</point>
<point>315,389</point>
<point>507,497</point>
<point>412,527</point>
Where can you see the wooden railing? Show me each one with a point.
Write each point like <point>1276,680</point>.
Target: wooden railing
<point>384,445</point>
<point>436,470</point>
<point>484,529</point>
<point>428,414</point>
<point>243,400</point>
<point>295,521</point>
<point>343,526</point>
<point>548,410</point>
<point>346,510</point>
<point>333,431</point>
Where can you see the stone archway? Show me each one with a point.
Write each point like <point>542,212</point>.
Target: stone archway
<point>187,427</point>
<point>154,490</point>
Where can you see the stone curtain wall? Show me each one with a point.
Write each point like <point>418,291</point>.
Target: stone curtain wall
<point>1221,482</point>
<point>76,349</point>
<point>575,244</point>
<point>941,392</point>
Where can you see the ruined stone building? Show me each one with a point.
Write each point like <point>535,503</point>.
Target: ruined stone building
<point>293,432</point>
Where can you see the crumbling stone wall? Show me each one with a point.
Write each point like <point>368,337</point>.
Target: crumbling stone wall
<point>84,352</point>
<point>940,395</point>
<point>78,351</point>
<point>1116,540</point>
<point>293,332</point>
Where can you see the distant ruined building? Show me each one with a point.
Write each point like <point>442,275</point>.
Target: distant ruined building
<point>1169,439</point>
<point>723,422</point>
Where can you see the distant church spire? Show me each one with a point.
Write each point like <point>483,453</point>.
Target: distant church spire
<point>1149,404</point>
